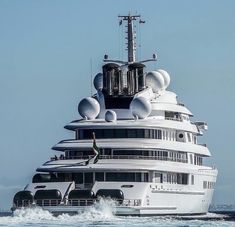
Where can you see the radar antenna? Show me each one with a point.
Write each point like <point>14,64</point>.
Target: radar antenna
<point>131,44</point>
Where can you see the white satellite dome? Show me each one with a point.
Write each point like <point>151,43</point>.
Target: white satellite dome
<point>110,116</point>
<point>98,81</point>
<point>89,108</point>
<point>155,80</point>
<point>140,107</point>
<point>166,77</point>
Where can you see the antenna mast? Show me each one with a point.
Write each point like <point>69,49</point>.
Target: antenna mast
<point>131,45</point>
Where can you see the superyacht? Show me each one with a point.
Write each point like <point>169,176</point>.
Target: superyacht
<point>135,143</point>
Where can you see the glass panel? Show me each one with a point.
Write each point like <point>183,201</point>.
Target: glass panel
<point>140,133</point>
<point>120,133</point>
<point>146,177</point>
<point>159,134</point>
<point>87,134</point>
<point>88,178</point>
<point>189,137</point>
<point>98,133</point>
<point>108,133</point>
<point>138,177</point>
<point>131,133</point>
<point>146,133</point>
<point>68,177</point>
<point>99,176</point>
<point>127,152</point>
<point>151,134</point>
<point>61,177</point>
<point>107,151</point>
<point>78,178</point>
<point>125,177</point>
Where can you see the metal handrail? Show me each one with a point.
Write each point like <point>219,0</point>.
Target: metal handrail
<point>173,119</point>
<point>161,158</point>
<point>72,202</point>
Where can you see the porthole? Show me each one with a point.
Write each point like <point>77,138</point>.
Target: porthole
<point>181,135</point>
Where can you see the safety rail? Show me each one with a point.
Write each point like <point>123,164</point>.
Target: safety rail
<point>161,158</point>
<point>72,202</point>
<point>173,119</point>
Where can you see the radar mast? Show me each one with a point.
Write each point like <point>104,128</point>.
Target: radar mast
<point>131,45</point>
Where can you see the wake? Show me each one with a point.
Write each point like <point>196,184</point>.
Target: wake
<point>100,212</point>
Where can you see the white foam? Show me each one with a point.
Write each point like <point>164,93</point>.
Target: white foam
<point>100,214</point>
<point>101,211</point>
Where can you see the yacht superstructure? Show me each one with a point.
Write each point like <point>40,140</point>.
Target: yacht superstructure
<point>135,144</point>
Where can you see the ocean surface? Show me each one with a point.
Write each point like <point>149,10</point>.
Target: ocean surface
<point>102,215</point>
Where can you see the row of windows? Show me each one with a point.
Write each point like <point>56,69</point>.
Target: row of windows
<point>178,156</point>
<point>154,154</point>
<point>170,135</point>
<point>177,178</point>
<point>91,177</point>
<point>172,178</point>
<point>119,133</point>
<point>208,185</point>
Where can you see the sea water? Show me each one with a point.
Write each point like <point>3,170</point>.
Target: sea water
<point>101,214</point>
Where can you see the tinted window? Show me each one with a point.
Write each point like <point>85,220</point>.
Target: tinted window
<point>146,177</point>
<point>127,152</point>
<point>138,177</point>
<point>99,176</point>
<point>78,178</point>
<point>88,178</point>
<point>39,178</point>
<point>120,133</point>
<point>126,177</point>
<point>131,133</point>
<point>140,133</point>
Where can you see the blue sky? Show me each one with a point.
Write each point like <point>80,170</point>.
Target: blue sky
<point>45,53</point>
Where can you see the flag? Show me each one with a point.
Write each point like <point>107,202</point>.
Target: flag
<point>96,150</point>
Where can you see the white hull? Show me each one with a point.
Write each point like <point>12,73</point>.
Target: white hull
<point>167,202</point>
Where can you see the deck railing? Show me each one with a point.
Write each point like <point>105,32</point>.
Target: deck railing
<point>161,158</point>
<point>173,119</point>
<point>72,202</point>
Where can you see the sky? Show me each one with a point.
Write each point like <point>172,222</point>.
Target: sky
<point>46,51</point>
